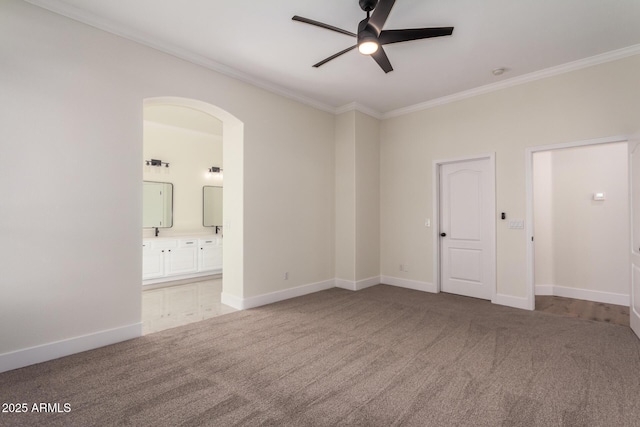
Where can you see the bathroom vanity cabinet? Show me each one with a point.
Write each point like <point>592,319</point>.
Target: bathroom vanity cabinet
<point>165,259</point>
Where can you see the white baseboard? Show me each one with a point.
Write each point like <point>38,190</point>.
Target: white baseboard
<point>180,279</point>
<point>349,285</point>
<point>264,299</point>
<point>409,284</point>
<point>231,301</point>
<point>544,289</point>
<point>42,353</point>
<point>367,283</point>
<point>584,294</point>
<point>356,286</point>
<point>511,301</point>
<point>634,320</point>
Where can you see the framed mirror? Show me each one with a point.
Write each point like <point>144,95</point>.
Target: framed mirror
<point>212,206</point>
<point>157,204</point>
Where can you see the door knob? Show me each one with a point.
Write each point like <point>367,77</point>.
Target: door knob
<point>443,234</point>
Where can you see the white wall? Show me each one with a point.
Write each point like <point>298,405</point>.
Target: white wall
<point>589,239</point>
<point>189,153</point>
<point>72,121</point>
<point>595,102</point>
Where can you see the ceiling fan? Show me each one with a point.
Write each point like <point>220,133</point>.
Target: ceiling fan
<point>371,36</point>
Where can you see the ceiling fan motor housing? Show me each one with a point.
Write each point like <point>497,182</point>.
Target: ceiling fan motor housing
<point>368,5</point>
<point>366,32</point>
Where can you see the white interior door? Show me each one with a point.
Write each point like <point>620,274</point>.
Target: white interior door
<point>467,228</point>
<point>634,187</point>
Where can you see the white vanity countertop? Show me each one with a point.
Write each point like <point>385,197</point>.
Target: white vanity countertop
<point>184,236</point>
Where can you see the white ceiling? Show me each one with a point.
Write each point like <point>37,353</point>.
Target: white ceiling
<point>256,41</point>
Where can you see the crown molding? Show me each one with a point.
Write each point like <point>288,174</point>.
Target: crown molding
<point>93,20</point>
<point>613,55</point>
<point>76,14</point>
<point>355,106</point>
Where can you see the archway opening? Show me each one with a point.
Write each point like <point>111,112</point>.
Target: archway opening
<point>229,158</point>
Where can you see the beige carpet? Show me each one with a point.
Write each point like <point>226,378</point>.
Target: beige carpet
<point>378,357</point>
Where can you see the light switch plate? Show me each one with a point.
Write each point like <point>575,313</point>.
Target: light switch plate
<point>516,224</point>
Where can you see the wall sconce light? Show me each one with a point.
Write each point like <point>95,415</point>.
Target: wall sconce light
<point>154,162</point>
<point>215,170</point>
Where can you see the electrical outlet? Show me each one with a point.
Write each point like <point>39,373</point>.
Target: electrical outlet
<point>406,268</point>
<point>401,267</point>
<point>285,276</point>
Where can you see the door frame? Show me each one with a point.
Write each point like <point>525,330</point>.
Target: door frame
<point>633,144</point>
<point>437,165</point>
<point>529,231</point>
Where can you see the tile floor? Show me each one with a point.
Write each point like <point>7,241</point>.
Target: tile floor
<point>172,306</point>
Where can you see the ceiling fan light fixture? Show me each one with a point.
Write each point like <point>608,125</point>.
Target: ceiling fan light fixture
<point>368,47</point>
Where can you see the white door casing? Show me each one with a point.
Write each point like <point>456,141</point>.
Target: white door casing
<point>466,217</point>
<point>634,192</point>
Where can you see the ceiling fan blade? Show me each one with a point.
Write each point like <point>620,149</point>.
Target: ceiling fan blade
<point>383,61</point>
<point>397,36</point>
<point>324,61</point>
<point>380,14</point>
<point>323,25</point>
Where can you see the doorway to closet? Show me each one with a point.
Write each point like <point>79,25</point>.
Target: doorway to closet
<point>579,230</point>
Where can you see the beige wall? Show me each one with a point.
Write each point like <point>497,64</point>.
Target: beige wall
<point>74,105</point>
<point>367,197</point>
<point>357,184</point>
<point>345,193</point>
<point>590,103</point>
<point>544,264</point>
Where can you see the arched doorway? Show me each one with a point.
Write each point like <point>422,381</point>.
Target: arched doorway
<point>232,153</point>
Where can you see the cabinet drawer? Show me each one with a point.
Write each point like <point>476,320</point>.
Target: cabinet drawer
<point>187,243</point>
<point>209,242</point>
<point>161,244</point>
